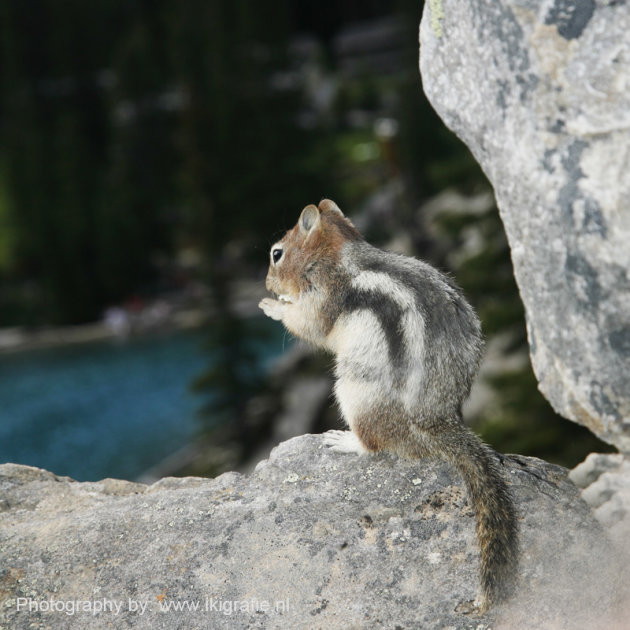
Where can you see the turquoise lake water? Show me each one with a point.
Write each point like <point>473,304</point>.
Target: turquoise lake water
<point>107,409</point>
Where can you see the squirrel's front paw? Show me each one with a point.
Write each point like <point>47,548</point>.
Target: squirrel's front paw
<point>272,308</point>
<point>343,442</point>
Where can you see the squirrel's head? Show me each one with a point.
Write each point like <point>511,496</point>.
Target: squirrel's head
<point>308,255</point>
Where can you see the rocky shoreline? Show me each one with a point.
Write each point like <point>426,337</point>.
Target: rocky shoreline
<point>163,314</point>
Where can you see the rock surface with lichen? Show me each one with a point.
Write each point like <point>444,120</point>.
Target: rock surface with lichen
<point>540,93</point>
<point>310,539</point>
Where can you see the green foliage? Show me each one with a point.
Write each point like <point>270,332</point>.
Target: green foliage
<point>7,235</point>
<point>234,374</point>
<point>54,143</point>
<point>525,423</point>
<point>360,168</point>
<point>487,274</point>
<point>245,159</point>
<point>130,128</point>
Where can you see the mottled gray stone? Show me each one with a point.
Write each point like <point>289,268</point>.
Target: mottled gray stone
<point>605,483</point>
<point>344,541</point>
<point>540,93</point>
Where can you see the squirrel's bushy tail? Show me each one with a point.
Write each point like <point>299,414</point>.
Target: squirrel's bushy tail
<point>497,528</point>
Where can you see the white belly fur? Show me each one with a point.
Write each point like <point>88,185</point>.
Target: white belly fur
<point>358,339</point>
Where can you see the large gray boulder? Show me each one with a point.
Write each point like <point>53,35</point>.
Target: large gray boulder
<point>310,539</point>
<point>540,93</point>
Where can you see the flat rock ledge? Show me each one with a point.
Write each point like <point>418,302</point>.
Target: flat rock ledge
<point>310,539</point>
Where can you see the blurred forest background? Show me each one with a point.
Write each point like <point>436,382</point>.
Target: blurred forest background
<point>152,150</point>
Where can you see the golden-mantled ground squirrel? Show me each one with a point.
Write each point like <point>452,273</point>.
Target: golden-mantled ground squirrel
<point>407,347</point>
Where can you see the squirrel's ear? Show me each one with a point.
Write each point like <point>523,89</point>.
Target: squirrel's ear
<point>327,204</point>
<point>309,219</point>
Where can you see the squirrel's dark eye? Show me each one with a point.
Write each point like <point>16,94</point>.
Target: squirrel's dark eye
<point>276,254</point>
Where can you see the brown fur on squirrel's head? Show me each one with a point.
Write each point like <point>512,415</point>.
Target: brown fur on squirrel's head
<point>308,253</point>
